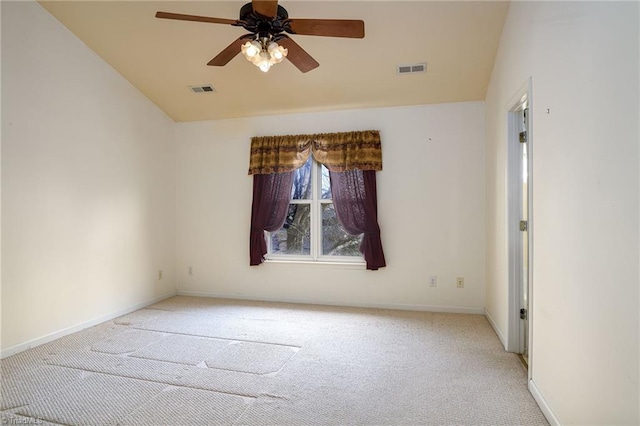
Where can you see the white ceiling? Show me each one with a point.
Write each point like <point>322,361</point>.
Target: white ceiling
<point>162,58</point>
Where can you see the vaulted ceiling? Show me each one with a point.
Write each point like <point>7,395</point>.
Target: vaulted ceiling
<point>163,58</point>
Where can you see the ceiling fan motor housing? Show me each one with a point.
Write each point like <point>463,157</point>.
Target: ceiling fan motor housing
<point>264,26</point>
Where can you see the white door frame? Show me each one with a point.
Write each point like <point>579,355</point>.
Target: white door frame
<point>514,205</point>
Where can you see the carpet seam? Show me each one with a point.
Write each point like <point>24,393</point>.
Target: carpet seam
<point>150,381</point>
<point>220,338</point>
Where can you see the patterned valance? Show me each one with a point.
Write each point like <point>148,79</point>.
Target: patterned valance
<point>337,151</point>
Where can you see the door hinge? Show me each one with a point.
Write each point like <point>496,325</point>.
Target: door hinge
<point>523,137</point>
<point>523,314</point>
<point>524,225</point>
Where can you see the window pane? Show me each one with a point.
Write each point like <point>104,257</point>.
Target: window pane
<point>335,241</point>
<point>326,184</point>
<point>294,238</point>
<point>301,189</point>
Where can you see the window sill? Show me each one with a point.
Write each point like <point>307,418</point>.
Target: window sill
<point>320,263</point>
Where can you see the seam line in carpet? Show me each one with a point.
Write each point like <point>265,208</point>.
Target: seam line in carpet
<point>153,381</point>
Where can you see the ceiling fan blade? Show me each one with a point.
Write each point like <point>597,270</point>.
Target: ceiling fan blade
<point>268,8</point>
<point>181,17</point>
<point>298,56</point>
<point>229,52</point>
<point>350,28</point>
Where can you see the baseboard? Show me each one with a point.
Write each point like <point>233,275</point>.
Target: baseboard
<point>542,403</point>
<point>495,328</point>
<point>69,330</point>
<point>403,307</point>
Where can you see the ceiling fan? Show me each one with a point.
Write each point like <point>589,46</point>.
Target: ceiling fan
<point>267,42</point>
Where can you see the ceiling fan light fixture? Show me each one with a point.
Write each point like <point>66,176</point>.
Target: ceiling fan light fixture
<point>263,53</point>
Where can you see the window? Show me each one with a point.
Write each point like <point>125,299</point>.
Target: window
<point>311,230</point>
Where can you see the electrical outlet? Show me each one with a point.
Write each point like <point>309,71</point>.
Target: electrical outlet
<point>190,270</point>
<point>460,282</point>
<point>433,281</point>
<point>160,274</point>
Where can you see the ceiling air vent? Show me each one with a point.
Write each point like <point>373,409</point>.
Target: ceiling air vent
<point>411,68</point>
<point>206,88</point>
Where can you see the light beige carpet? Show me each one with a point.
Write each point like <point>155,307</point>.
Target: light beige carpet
<point>201,361</point>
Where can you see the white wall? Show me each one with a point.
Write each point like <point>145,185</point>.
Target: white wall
<point>88,183</point>
<point>431,210</point>
<point>583,60</point>
<point>0,185</point>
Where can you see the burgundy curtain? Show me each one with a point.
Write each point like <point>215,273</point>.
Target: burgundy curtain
<point>271,196</point>
<point>356,203</point>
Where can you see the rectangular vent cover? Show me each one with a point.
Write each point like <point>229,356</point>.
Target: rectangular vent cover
<point>206,88</point>
<point>411,68</point>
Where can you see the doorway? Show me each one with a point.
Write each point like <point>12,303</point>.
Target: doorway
<point>520,224</point>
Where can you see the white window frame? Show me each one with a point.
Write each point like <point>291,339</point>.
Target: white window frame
<point>315,202</point>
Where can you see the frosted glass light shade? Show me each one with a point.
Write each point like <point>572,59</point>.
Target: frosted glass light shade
<point>249,49</point>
